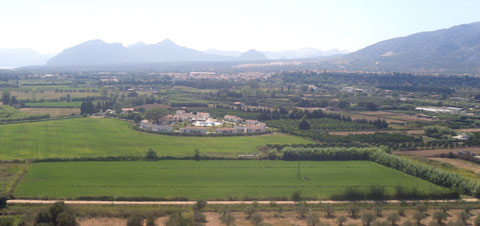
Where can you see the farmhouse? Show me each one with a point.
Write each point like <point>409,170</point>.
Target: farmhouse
<point>226,131</point>
<point>127,110</point>
<point>145,124</point>
<point>201,116</point>
<point>232,118</point>
<point>193,130</point>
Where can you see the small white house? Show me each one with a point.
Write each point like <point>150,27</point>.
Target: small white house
<point>232,118</point>
<point>193,130</point>
<point>226,131</point>
<point>145,124</point>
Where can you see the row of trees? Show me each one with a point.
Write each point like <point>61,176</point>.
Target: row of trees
<point>9,100</point>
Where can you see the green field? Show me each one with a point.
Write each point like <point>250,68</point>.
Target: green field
<point>59,104</point>
<point>92,137</point>
<point>208,179</point>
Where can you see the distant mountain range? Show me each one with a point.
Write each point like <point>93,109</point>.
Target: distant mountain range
<point>456,49</point>
<point>10,58</point>
<point>452,50</point>
<point>288,54</point>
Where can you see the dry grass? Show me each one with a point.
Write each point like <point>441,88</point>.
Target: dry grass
<point>436,152</point>
<point>54,112</point>
<point>459,163</point>
<point>285,219</point>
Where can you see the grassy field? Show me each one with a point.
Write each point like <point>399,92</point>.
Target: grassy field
<point>8,174</point>
<point>208,179</point>
<point>61,104</point>
<point>81,137</point>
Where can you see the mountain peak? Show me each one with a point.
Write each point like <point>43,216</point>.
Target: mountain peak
<point>167,42</point>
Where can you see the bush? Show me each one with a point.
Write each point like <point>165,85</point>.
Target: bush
<point>199,217</point>
<point>7,221</point>
<point>250,210</point>
<point>302,210</point>
<point>151,221</point>
<point>367,219</point>
<point>352,210</point>
<point>296,196</point>
<point>228,219</point>
<point>177,219</point>
<point>313,220</point>
<point>341,220</point>
<point>151,155</point>
<point>419,216</point>
<point>439,217</point>
<point>66,219</point>
<point>476,222</point>
<point>256,219</point>
<point>134,220</point>
<point>200,204</point>
<point>393,218</point>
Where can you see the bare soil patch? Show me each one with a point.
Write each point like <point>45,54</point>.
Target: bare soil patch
<point>54,112</point>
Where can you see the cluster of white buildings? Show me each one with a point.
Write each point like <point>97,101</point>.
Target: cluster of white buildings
<point>201,121</point>
<point>446,110</point>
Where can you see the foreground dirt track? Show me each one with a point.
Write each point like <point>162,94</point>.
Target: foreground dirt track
<point>79,202</point>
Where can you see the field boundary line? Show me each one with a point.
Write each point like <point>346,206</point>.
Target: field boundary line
<point>93,202</point>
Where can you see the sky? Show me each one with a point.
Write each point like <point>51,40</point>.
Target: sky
<point>50,26</point>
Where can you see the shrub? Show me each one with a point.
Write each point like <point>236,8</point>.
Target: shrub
<point>341,220</point>
<point>134,220</point>
<point>476,222</point>
<point>353,210</point>
<point>250,210</point>
<point>393,218</point>
<point>419,216</point>
<point>376,192</point>
<point>329,211</point>
<point>313,220</point>
<point>199,217</point>
<point>7,221</point>
<point>177,219</point>
<point>401,211</point>
<point>296,196</point>
<point>463,217</point>
<point>200,204</point>
<point>227,219</point>
<point>151,155</point>
<point>302,210</point>
<point>439,217</point>
<point>367,219</point>
<point>256,219</point>
<point>151,221</point>
<point>66,219</point>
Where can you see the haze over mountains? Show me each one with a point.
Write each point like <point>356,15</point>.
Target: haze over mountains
<point>452,50</point>
<point>10,58</point>
<point>97,52</point>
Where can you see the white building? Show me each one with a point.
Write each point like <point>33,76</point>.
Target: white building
<point>226,131</point>
<point>446,110</point>
<point>193,130</point>
<point>232,118</point>
<point>146,125</point>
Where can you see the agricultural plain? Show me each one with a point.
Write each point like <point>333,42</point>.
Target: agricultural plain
<point>94,137</point>
<point>228,179</point>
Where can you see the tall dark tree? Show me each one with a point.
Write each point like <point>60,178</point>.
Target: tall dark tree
<point>304,125</point>
<point>6,98</point>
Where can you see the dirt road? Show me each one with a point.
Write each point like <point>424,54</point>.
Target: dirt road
<point>79,202</point>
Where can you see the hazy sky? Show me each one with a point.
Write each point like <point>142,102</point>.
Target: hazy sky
<point>49,26</point>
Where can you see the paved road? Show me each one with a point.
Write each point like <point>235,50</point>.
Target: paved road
<point>79,202</point>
